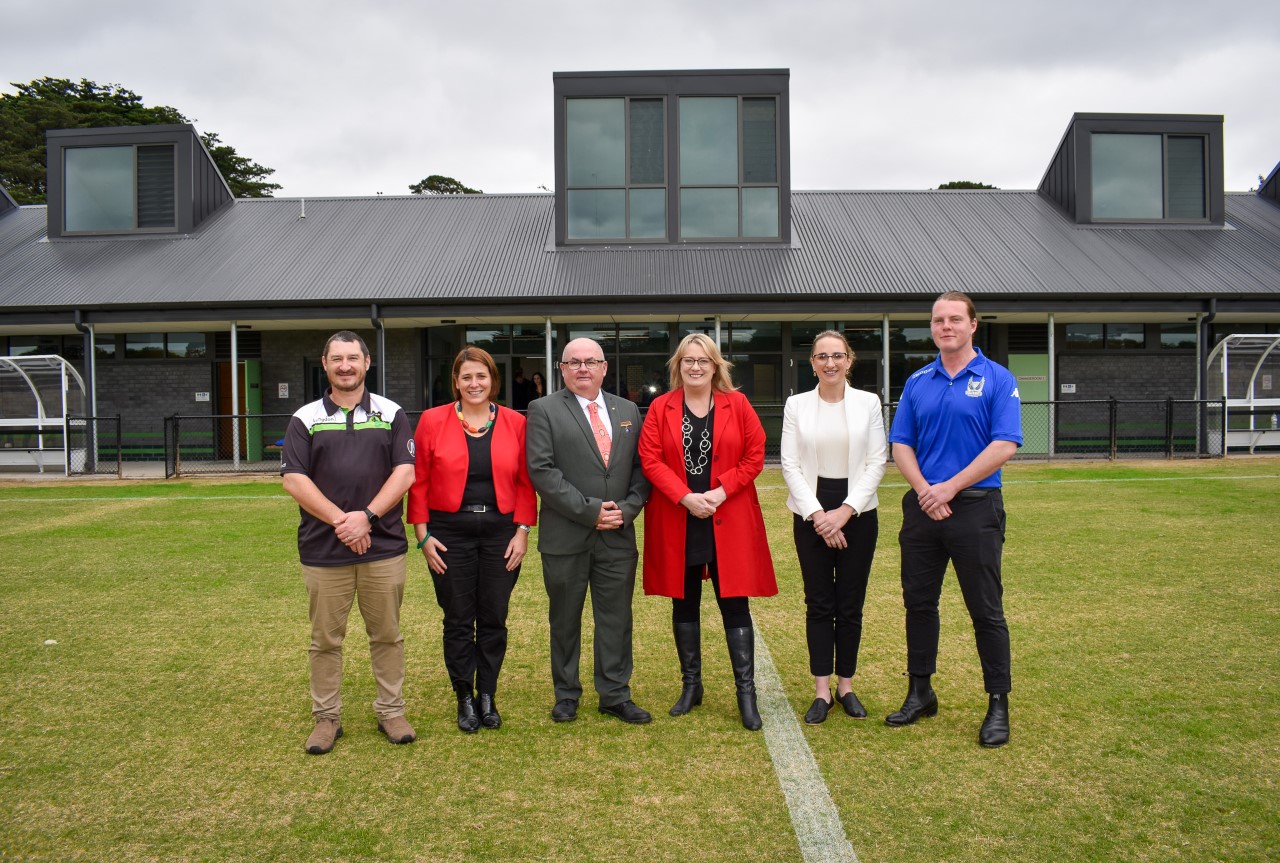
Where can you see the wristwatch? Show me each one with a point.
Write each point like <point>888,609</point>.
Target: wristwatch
<point>368,513</point>
<point>525,528</point>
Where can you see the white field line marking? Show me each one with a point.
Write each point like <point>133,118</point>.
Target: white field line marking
<point>814,817</point>
<point>4,500</point>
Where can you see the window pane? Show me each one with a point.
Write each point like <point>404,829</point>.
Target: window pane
<point>1124,336</point>
<point>643,379</point>
<point>759,212</point>
<point>709,143</point>
<point>649,213</point>
<point>1127,177</point>
<point>604,333</point>
<point>597,214</point>
<point>647,141</point>
<point>911,339</point>
<point>595,153</point>
<point>708,213</point>
<point>758,377</point>
<point>144,345</point>
<point>21,346</point>
<point>644,339</point>
<point>99,189</point>
<point>491,338</point>
<point>756,336</point>
<point>1084,336</point>
<point>1186,178</point>
<point>802,336</point>
<point>1177,336</point>
<point>186,345</point>
<point>156,207</point>
<point>759,141</point>
<point>528,339</point>
<point>865,339</point>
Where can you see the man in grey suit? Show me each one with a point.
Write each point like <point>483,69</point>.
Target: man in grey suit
<point>583,460</point>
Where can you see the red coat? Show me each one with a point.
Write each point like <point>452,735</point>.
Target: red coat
<point>737,457</point>
<point>440,452</point>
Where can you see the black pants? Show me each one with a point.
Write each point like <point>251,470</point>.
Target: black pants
<point>735,611</point>
<point>972,538</point>
<point>474,593</point>
<point>835,583</point>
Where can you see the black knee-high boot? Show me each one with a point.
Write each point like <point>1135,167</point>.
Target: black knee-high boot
<point>742,655</point>
<point>689,648</point>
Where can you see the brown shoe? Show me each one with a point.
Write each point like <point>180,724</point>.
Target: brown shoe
<point>323,736</point>
<point>397,729</point>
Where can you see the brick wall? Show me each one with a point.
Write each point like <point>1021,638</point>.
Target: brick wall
<point>1140,375</point>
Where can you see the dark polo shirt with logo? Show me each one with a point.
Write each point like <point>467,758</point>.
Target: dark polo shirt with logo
<point>348,455</point>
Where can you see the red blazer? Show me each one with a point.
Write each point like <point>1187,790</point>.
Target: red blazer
<point>737,457</point>
<point>440,451</point>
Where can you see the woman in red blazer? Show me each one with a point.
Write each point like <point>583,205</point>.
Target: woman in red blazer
<point>472,507</point>
<point>702,446</point>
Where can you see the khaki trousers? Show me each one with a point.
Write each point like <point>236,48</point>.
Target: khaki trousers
<point>379,587</point>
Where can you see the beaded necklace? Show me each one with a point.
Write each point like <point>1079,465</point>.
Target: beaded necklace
<point>493,414</point>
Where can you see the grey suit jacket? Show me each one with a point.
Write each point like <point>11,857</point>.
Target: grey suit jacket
<point>571,478</point>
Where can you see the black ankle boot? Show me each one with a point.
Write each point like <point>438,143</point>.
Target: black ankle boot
<point>468,721</point>
<point>921,701</point>
<point>689,650</point>
<point>488,709</point>
<point>742,656</point>
<point>995,728</point>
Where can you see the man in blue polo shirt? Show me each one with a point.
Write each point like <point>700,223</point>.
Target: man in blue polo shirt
<point>959,421</point>
<point>348,461</point>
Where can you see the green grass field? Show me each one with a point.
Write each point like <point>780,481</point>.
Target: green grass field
<point>167,722</point>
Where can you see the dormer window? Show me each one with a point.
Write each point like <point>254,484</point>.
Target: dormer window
<point>1139,168</point>
<point>127,180</point>
<point>1148,177</point>
<point>672,157</point>
<point>119,189</point>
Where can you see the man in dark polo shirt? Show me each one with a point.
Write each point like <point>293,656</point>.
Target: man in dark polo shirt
<point>348,461</point>
<point>959,421</point>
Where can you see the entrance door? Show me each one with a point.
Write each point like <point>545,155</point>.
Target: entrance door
<point>250,385</point>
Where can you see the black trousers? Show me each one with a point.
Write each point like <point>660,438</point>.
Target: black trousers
<point>735,611</point>
<point>474,592</point>
<point>835,583</point>
<point>972,539</point>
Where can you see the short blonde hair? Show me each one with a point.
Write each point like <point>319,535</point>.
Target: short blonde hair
<point>720,380</point>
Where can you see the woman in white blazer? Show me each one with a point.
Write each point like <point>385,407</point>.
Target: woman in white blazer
<point>833,457</point>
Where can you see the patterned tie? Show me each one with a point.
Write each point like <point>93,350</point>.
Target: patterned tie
<point>601,433</point>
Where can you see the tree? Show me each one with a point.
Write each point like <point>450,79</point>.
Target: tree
<point>439,185</point>
<point>966,184</point>
<point>59,103</point>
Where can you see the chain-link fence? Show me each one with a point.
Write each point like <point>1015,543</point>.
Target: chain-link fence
<point>94,446</point>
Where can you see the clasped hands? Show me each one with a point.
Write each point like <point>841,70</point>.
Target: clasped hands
<point>610,516</point>
<point>829,525</point>
<point>353,529</point>
<point>704,505</point>
<point>935,500</point>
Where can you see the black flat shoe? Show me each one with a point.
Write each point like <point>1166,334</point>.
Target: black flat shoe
<point>468,721</point>
<point>853,706</point>
<point>817,712</point>
<point>628,711</point>
<point>566,710</point>
<point>489,717</point>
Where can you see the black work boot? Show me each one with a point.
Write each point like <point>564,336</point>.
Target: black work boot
<point>689,649</point>
<point>995,728</point>
<point>921,701</point>
<point>468,719</point>
<point>742,656</point>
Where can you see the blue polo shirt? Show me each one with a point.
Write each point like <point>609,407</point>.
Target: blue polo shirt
<point>948,421</point>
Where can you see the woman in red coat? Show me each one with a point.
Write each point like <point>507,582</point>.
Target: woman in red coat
<point>472,507</point>
<point>702,446</point>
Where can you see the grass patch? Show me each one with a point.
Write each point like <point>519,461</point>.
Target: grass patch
<point>167,722</point>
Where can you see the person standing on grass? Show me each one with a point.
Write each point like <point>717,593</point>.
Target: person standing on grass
<point>584,463</point>
<point>702,447</point>
<point>833,457</point>
<point>959,421</point>
<point>348,461</point>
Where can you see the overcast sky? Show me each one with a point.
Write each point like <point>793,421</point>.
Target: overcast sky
<point>357,98</point>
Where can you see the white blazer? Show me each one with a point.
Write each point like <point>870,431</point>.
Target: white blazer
<point>868,450</point>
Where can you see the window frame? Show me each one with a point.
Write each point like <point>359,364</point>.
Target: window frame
<point>134,229</point>
<point>1165,219</point>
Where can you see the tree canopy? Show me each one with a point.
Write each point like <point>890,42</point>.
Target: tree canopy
<point>440,185</point>
<point>59,103</point>
<point>965,184</point>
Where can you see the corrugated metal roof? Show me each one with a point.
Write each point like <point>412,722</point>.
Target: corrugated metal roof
<point>991,243</point>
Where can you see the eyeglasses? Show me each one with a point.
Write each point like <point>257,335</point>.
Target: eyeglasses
<point>838,356</point>
<point>699,362</point>
<point>573,365</point>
